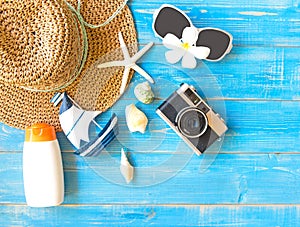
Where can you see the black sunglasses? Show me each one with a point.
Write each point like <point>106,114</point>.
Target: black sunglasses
<point>168,19</point>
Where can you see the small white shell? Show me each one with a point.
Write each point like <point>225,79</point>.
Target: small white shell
<point>144,93</point>
<point>136,120</point>
<point>126,168</point>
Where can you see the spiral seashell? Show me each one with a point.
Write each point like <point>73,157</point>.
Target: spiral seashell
<point>144,93</point>
<point>126,168</point>
<point>136,120</point>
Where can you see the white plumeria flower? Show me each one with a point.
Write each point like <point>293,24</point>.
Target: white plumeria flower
<point>185,48</point>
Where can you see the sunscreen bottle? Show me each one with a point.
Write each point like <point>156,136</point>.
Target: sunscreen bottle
<point>42,167</point>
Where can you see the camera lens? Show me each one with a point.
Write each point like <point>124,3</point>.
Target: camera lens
<point>192,122</point>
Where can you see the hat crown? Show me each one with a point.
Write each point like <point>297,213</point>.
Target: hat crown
<point>21,107</point>
<point>40,46</point>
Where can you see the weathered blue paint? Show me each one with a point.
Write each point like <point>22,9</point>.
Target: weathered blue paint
<point>152,215</point>
<point>253,128</point>
<point>255,179</point>
<point>231,179</point>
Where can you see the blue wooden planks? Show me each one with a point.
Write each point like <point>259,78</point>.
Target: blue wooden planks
<point>251,179</point>
<point>254,181</point>
<point>253,128</point>
<point>152,215</point>
<point>266,23</point>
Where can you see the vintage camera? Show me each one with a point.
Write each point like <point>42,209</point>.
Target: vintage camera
<point>191,118</point>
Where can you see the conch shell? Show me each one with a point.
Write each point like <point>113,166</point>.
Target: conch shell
<point>136,120</point>
<point>126,168</point>
<point>144,93</point>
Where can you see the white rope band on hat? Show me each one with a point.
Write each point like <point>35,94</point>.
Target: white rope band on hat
<point>82,23</point>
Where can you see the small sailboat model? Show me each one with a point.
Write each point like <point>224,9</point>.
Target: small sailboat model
<point>75,123</point>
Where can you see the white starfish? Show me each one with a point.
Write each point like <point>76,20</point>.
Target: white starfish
<point>129,63</point>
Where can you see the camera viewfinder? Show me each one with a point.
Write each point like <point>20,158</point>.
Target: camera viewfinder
<point>192,96</point>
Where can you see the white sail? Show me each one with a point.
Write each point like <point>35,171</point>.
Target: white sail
<point>75,124</point>
<point>110,128</point>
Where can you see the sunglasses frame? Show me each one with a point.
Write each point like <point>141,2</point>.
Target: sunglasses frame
<point>229,47</point>
<point>157,12</point>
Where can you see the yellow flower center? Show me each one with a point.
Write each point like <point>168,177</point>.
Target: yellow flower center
<point>185,46</point>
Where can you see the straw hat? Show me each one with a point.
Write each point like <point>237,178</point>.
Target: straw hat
<point>43,49</point>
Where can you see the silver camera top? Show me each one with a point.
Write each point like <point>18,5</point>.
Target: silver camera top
<point>189,94</point>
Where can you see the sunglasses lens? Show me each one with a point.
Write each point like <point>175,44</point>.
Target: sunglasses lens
<point>216,40</point>
<point>170,20</point>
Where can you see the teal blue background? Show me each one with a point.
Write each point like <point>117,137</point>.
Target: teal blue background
<point>255,179</point>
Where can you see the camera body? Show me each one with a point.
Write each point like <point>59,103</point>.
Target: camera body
<point>191,118</point>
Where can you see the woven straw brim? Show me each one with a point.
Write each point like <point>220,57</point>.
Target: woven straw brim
<point>21,108</point>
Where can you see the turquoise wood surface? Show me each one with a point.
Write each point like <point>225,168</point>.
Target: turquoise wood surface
<point>255,178</point>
